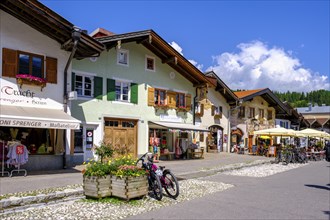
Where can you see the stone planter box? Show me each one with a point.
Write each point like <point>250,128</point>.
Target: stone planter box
<point>97,187</point>
<point>129,187</point>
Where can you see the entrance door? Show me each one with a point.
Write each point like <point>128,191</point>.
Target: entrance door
<point>217,134</point>
<point>122,134</point>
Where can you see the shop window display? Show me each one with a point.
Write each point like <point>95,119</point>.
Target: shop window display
<point>37,140</point>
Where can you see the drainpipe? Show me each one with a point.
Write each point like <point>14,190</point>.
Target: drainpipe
<point>194,104</point>
<point>76,35</point>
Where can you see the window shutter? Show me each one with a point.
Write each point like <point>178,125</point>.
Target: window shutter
<point>51,70</point>
<point>213,110</point>
<point>201,136</point>
<point>188,102</point>
<point>220,111</point>
<point>98,87</point>
<point>134,93</point>
<point>9,62</point>
<point>171,97</point>
<point>151,96</point>
<point>111,90</point>
<point>73,81</point>
<point>202,109</point>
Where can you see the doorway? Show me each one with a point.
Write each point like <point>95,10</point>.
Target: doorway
<point>122,134</point>
<point>216,132</point>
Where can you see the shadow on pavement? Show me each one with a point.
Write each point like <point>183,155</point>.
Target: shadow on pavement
<point>318,187</point>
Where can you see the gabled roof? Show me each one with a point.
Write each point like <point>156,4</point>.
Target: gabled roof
<point>46,21</point>
<point>101,32</point>
<point>222,88</point>
<point>243,94</point>
<point>268,96</point>
<point>152,41</point>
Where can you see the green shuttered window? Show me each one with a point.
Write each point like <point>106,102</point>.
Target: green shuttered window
<point>111,90</point>
<point>134,93</point>
<point>117,91</point>
<point>98,87</point>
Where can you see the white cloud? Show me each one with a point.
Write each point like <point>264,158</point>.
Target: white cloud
<point>179,49</point>
<point>176,47</point>
<point>198,66</point>
<point>257,66</point>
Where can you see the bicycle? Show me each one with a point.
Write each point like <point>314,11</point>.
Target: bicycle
<point>160,178</point>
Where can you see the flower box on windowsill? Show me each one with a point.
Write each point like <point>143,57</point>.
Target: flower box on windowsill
<point>30,80</point>
<point>165,107</point>
<point>181,109</point>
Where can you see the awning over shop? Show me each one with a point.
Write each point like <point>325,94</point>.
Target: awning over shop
<point>16,116</point>
<point>178,126</point>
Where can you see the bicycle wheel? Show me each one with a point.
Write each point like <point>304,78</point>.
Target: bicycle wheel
<point>171,185</point>
<point>157,187</point>
<point>288,158</point>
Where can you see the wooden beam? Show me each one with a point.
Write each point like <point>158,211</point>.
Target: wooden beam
<point>173,59</point>
<point>147,40</point>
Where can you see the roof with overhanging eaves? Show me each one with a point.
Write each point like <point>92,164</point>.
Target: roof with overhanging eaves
<point>156,44</point>
<point>46,21</point>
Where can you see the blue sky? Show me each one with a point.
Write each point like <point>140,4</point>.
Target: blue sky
<point>282,45</point>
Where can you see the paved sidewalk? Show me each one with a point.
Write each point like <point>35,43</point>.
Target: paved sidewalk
<point>183,169</point>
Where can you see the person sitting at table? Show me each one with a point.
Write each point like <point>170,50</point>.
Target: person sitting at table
<point>261,149</point>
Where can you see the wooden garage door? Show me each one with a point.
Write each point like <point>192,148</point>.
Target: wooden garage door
<point>121,133</point>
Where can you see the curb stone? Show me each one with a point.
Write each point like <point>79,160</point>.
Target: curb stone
<point>41,198</point>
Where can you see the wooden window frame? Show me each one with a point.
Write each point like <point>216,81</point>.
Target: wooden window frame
<point>11,64</point>
<point>147,66</point>
<point>199,109</point>
<point>252,112</point>
<point>121,91</point>
<point>83,85</point>
<point>241,113</point>
<point>126,52</point>
<point>269,115</point>
<point>216,111</point>
<point>31,55</point>
<point>158,100</point>
<point>178,100</point>
<point>261,113</point>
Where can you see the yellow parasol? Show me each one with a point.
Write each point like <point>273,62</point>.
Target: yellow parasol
<point>309,132</point>
<point>279,131</point>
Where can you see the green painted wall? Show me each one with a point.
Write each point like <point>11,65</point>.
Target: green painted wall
<point>93,110</point>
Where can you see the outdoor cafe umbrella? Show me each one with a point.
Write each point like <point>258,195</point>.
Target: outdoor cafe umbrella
<point>279,131</point>
<point>309,132</point>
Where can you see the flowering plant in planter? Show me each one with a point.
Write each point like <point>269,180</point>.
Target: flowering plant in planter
<point>181,109</point>
<point>129,171</point>
<point>31,80</point>
<point>98,168</point>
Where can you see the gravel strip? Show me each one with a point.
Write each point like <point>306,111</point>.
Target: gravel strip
<point>263,170</point>
<point>94,209</point>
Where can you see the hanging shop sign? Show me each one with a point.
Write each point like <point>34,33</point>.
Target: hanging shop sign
<point>38,124</point>
<point>170,118</point>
